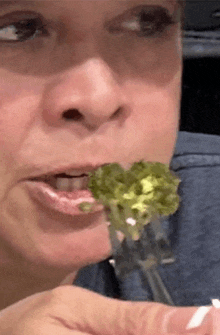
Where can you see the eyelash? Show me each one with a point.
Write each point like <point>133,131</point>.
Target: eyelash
<point>160,17</point>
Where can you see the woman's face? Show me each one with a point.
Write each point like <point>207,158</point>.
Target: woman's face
<point>99,83</point>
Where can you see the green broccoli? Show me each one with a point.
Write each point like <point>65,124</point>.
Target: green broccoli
<point>135,196</point>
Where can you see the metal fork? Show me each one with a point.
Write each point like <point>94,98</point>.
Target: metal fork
<point>153,248</point>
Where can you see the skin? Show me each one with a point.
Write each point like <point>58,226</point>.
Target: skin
<point>126,91</point>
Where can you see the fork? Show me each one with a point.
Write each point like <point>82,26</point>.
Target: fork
<point>146,253</point>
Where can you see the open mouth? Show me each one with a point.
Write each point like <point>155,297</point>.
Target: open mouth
<point>64,182</point>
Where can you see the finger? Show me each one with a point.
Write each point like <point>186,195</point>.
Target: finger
<point>93,313</point>
<point>216,321</point>
<point>190,320</point>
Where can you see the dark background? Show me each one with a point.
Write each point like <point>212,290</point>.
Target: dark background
<point>200,105</point>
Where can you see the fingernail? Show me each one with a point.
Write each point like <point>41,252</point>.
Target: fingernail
<point>216,303</point>
<point>198,317</point>
<point>201,316</point>
<point>201,321</point>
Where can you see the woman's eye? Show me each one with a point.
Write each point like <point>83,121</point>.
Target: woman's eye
<point>22,30</point>
<point>145,22</point>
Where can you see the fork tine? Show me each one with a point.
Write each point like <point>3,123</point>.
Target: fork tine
<point>158,237</point>
<point>147,253</point>
<point>116,244</point>
<point>125,259</point>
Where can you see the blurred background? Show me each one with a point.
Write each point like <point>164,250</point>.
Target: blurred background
<point>200,106</point>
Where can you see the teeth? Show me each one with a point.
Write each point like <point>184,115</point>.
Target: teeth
<point>70,184</point>
<point>76,183</point>
<point>62,184</point>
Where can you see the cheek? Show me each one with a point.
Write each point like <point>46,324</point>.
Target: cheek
<point>11,118</point>
<point>155,103</point>
<point>154,124</point>
<point>17,100</point>
<point>16,103</point>
<point>52,246</point>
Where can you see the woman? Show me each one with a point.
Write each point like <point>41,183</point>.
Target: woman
<point>82,83</point>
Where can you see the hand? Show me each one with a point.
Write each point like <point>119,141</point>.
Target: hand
<point>70,310</point>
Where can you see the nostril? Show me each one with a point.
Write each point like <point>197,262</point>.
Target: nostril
<point>72,114</point>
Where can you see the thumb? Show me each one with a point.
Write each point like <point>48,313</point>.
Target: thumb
<point>92,313</point>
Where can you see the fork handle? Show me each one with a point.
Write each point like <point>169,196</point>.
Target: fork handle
<point>160,293</point>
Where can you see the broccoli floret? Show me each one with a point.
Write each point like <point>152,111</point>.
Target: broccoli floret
<point>133,197</point>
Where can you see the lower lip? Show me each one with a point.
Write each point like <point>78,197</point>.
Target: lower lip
<point>61,201</point>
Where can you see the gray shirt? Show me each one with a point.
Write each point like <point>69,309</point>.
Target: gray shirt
<point>194,233</point>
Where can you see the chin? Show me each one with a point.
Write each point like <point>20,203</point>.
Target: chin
<point>74,250</point>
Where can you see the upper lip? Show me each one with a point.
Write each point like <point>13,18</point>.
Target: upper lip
<point>64,169</point>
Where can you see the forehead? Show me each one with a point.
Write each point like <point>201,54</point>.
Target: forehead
<point>83,7</point>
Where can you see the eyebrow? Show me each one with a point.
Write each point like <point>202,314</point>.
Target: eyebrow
<point>6,3</point>
<point>9,3</point>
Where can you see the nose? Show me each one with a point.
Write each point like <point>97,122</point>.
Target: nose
<point>89,94</point>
